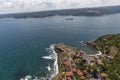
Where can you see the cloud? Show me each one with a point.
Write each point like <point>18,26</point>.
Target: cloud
<point>10,6</point>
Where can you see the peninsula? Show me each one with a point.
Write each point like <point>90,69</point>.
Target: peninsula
<point>76,64</point>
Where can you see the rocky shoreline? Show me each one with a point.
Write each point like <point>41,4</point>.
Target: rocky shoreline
<point>62,51</point>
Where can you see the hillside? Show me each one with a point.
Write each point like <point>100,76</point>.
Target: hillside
<point>110,46</point>
<point>98,11</point>
<point>75,64</point>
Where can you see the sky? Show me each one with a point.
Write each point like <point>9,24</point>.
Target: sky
<point>15,6</point>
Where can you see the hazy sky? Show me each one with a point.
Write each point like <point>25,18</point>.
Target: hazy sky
<point>12,6</point>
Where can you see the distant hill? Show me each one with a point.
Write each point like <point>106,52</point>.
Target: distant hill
<point>98,11</point>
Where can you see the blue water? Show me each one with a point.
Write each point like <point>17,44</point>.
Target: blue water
<point>24,41</point>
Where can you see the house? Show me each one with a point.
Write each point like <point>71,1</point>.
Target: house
<point>82,77</point>
<point>63,79</point>
<point>74,70</point>
<point>65,59</point>
<point>68,74</point>
<point>84,59</point>
<point>67,68</point>
<point>85,72</point>
<point>79,73</point>
<point>76,61</point>
<point>82,52</point>
<point>92,59</point>
<point>102,56</point>
<point>69,78</point>
<point>78,53</point>
<point>103,75</point>
<point>110,57</point>
<point>100,62</point>
<point>66,63</point>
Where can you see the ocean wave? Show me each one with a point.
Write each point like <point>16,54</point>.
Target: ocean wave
<point>49,68</point>
<point>53,56</point>
<point>53,70</point>
<point>47,57</point>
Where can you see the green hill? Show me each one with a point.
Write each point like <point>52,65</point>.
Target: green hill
<point>110,46</point>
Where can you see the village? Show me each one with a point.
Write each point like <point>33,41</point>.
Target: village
<point>77,65</point>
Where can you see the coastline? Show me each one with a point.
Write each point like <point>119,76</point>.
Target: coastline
<point>64,51</point>
<point>56,70</point>
<point>73,64</point>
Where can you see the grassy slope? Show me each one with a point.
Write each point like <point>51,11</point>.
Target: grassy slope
<point>104,44</point>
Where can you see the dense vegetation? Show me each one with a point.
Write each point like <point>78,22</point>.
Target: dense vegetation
<point>108,41</point>
<point>104,44</point>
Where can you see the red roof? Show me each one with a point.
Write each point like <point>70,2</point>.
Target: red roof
<point>92,59</point>
<point>74,69</point>
<point>84,71</point>
<point>79,73</point>
<point>69,78</point>
<point>63,79</point>
<point>67,63</point>
<point>76,60</point>
<point>100,62</point>
<point>78,53</point>
<point>68,74</point>
<point>82,77</point>
<point>103,75</point>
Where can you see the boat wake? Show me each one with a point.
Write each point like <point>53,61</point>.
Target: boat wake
<point>53,71</point>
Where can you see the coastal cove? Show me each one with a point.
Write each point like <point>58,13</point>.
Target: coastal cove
<point>24,42</point>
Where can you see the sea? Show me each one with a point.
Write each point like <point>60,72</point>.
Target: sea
<point>26,44</point>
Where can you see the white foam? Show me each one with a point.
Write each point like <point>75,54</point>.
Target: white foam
<point>82,42</point>
<point>47,57</point>
<point>28,77</point>
<point>53,70</point>
<point>49,68</point>
<point>53,56</point>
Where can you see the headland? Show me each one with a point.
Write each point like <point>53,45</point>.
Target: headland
<point>75,64</point>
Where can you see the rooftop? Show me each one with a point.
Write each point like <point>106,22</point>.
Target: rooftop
<point>69,74</point>
<point>67,63</point>
<point>79,73</point>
